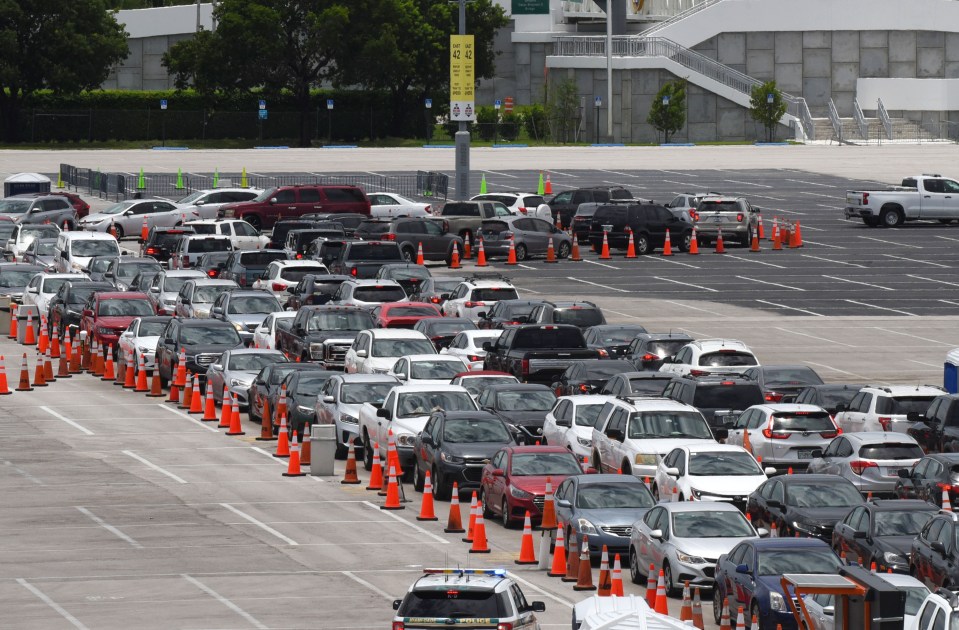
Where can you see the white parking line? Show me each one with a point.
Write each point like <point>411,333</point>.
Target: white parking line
<point>23,473</point>
<point>952,284</point>
<point>400,519</point>
<point>879,240</point>
<point>545,593</point>
<point>678,173</point>
<point>596,284</point>
<point>260,524</point>
<point>800,181</point>
<point>205,425</point>
<point>948,302</point>
<point>368,585</point>
<point>617,173</point>
<point>791,308</point>
<point>670,260</point>
<point>802,334</point>
<point>67,420</point>
<point>904,334</point>
<point>838,262</point>
<point>223,600</point>
<point>753,260</point>
<point>110,528</point>
<point>624,314</point>
<point>736,181</point>
<point>874,286</point>
<point>948,238</point>
<point>932,365</point>
<point>829,367</point>
<point>150,464</point>
<point>52,604</point>
<point>923,262</point>
<point>525,266</point>
<point>503,174</point>
<point>593,262</point>
<point>563,174</point>
<point>806,240</point>
<point>881,308</point>
<point>694,308</point>
<point>775,284</point>
<point>686,284</point>
<point>815,194</point>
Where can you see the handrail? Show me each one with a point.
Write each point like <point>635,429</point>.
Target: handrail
<point>860,119</point>
<point>682,15</point>
<point>834,119</point>
<point>804,116</point>
<point>884,118</point>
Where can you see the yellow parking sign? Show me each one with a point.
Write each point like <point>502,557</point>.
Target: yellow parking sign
<point>462,78</point>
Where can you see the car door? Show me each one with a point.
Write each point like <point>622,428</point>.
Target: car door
<point>435,242</point>
<point>854,419</point>
<point>843,540</point>
<point>159,214</point>
<point>941,561</point>
<point>649,522</point>
<point>922,549</point>
<point>283,206</point>
<point>495,487</point>
<point>214,373</point>
<point>245,236</point>
<point>552,433</point>
<point>856,521</point>
<point>830,461</point>
<point>928,488</point>
<point>727,571</point>
<point>525,232</point>
<point>745,583</point>
<point>615,434</point>
<point>308,200</point>
<point>164,352</point>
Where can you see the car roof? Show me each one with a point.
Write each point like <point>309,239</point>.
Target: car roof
<point>483,373</point>
<point>885,437</point>
<point>905,390</point>
<point>709,344</point>
<point>661,336</point>
<point>783,543</point>
<point>372,282</point>
<point>586,399</point>
<point>263,351</point>
<point>606,478</point>
<point>518,387</point>
<point>788,407</point>
<point>405,389</point>
<point>209,323</point>
<point>700,506</point>
<point>248,293</point>
<point>951,458</point>
<point>83,236</point>
<point>121,295</point>
<point>477,414</point>
<point>22,266</point>
<point>155,318</point>
<point>396,333</point>
<point>646,376</point>
<point>813,477</point>
<point>899,505</point>
<point>183,273</point>
<point>368,378</point>
<point>713,448</point>
<point>538,449</point>
<point>211,282</point>
<point>433,357</point>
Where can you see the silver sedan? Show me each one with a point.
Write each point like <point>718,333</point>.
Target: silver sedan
<point>871,460</point>
<point>237,368</point>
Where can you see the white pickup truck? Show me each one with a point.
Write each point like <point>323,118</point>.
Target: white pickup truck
<point>919,198</point>
<point>405,411</point>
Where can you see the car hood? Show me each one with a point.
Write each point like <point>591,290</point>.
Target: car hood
<point>523,418</point>
<point>824,517</point>
<point>613,517</point>
<point>380,363</point>
<point>147,342</point>
<point>772,583</point>
<point>114,321</point>
<point>98,217</point>
<point>536,484</point>
<point>247,318</point>
<point>727,486</point>
<point>901,545</point>
<point>246,376</point>
<point>410,424</point>
<point>709,548</point>
<point>484,450</point>
<point>210,348</point>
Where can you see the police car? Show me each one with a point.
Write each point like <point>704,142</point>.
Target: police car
<point>473,598</point>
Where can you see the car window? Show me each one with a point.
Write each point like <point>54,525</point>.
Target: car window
<point>926,615</point>
<point>940,621</point>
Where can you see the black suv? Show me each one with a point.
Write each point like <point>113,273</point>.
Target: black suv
<point>578,313</point>
<point>612,340</point>
<point>831,396</point>
<point>161,241</point>
<point>881,531</point>
<point>313,290</point>
<point>648,351</point>
<point>648,223</point>
<point>721,398</point>
<point>927,480</point>
<point>349,220</point>
<point>566,203</point>
<point>298,241</point>
<point>934,551</point>
<point>410,234</point>
<point>284,226</point>
<point>409,275</point>
<point>123,270</point>
<point>245,267</point>
<point>326,250</point>
<point>939,431</point>
<point>202,342</point>
<point>66,306</point>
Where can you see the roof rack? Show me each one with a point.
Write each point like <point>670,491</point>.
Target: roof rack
<point>949,596</point>
<point>486,275</point>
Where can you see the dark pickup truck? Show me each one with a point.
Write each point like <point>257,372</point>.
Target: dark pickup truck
<point>323,334</point>
<point>362,259</point>
<point>537,353</point>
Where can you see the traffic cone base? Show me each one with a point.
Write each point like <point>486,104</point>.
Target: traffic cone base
<point>392,494</point>
<point>585,579</point>
<point>350,476</point>
<point>572,559</point>
<point>24,385</point>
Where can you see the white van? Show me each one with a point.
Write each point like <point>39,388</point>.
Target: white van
<point>75,249</point>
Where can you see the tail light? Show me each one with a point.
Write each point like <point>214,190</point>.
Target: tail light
<point>474,357</point>
<point>769,434</point>
<point>241,280</point>
<point>773,396</point>
<point>278,287</point>
<point>299,256</point>
<point>152,251</point>
<point>427,209</point>
<point>693,214</point>
<point>859,466</point>
<point>353,272</point>
<point>740,217</point>
<point>388,237</point>
<point>830,434</point>
<point>505,236</point>
<point>213,273</point>
<point>884,422</point>
<point>525,366</point>
<point>865,199</point>
<point>603,352</point>
<point>435,300</point>
<point>399,625</point>
<point>504,626</point>
<point>474,304</point>
<point>699,372</point>
<point>583,388</point>
<point>650,357</point>
<point>522,209</point>
<point>185,261</point>
<point>945,487</point>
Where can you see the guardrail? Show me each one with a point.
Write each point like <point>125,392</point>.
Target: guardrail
<point>834,119</point>
<point>884,118</point>
<point>860,119</point>
<point>650,9</point>
<point>676,17</point>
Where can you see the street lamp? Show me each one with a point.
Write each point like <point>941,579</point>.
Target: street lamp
<point>769,98</point>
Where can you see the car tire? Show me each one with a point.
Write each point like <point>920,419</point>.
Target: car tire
<point>367,455</point>
<point>717,605</point>
<point>487,512</point>
<point>119,230</point>
<point>521,252</point>
<point>635,574</point>
<point>562,252</point>
<point>409,254</point>
<point>505,517</point>
<point>641,242</point>
<point>871,221</point>
<point>418,481</point>
<point>441,490</point>
<point>946,221</point>
<point>685,241</point>
<point>668,580</point>
<point>891,217</point>
<point>341,451</point>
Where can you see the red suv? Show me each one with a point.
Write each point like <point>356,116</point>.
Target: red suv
<point>107,315</point>
<point>287,202</point>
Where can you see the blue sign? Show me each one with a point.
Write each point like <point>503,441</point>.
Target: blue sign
<point>262,104</point>
<point>429,103</point>
<point>163,103</point>
<point>329,103</point>
<point>263,114</point>
<point>598,101</point>
<point>497,103</point>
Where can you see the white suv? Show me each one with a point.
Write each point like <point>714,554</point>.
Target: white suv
<point>243,235</point>
<point>206,203</point>
<point>886,408</point>
<point>476,295</point>
<point>633,434</point>
<point>939,610</point>
<point>784,436</point>
<point>375,351</point>
<point>711,356</point>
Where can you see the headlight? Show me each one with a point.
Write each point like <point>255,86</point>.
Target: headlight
<point>776,602</point>
<point>646,459</point>
<point>316,348</point>
<point>348,419</point>
<point>804,527</point>
<point>145,350</point>
<point>584,442</point>
<point>239,327</point>
<point>235,382</point>
<point>450,459</point>
<point>687,559</point>
<point>305,410</point>
<point>407,440</point>
<point>170,303</point>
<point>585,527</point>
<point>520,494</point>
<point>103,331</point>
<point>893,558</point>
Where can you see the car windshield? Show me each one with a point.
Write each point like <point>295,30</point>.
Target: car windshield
<point>439,326</point>
<point>266,194</point>
<point>890,451</point>
<point>295,274</point>
<point>727,358</point>
<point>436,370</point>
<point>310,384</point>
<point>357,393</point>
<point>30,232</point>
<point>410,273</point>
<point>207,244</point>
<point>833,397</point>
<point>16,277</point>
<point>476,385</point>
<point>421,403</point>
<point>648,386</point>
<point>603,370</point>
<point>548,337</point>
<point>666,348</point>
<point>822,494</point>
<point>172,284</point>
<point>473,430</point>
<point>151,329</point>
<point>124,307</point>
<point>101,265</point>
<point>723,464</point>
<point>374,251</point>
<point>52,285</point>
<point>578,316</point>
<point>802,422</point>
<point>130,270</point>
<point>586,415</point>
<point>905,523</point>
<point>6,229</point>
<point>253,305</point>
<point>205,295</point>
<point>202,335</point>
<point>78,295</point>
<point>253,362</point>
<point>720,206</point>
<point>339,320</point>
<point>385,293</point>
<point>651,425</point>
<point>413,311</point>
<point>711,524</point>
<point>42,249</point>
<point>525,400</point>
<point>803,560</point>
<point>453,604</point>
<point>791,376</point>
<point>728,396</point>
<point>901,405</point>
<point>117,208</point>
<point>192,197</point>
<point>85,248</point>
<point>204,228</point>
<point>542,464</point>
<point>14,206</point>
<point>442,286</point>
<point>401,347</point>
<point>512,311</point>
<point>613,495</point>
<point>493,294</point>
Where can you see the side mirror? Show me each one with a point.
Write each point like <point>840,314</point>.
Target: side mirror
<point>481,315</point>
<point>537,607</point>
<point>657,534</point>
<point>397,603</point>
<point>128,213</point>
<point>904,473</point>
<point>672,472</point>
<point>563,422</point>
<point>498,472</point>
<point>272,200</point>
<point>721,434</point>
<point>216,310</point>
<point>444,296</point>
<point>841,407</point>
<point>816,453</point>
<point>859,534</point>
<point>216,366</point>
<point>762,531</point>
<point>291,290</point>
<point>362,353</point>
<point>426,439</point>
<point>383,413</point>
<point>773,503</point>
<point>938,547</point>
<point>108,274</point>
<point>328,400</point>
<point>487,346</point>
<point>127,334</point>
<point>742,568</point>
<point>87,312</point>
<point>564,503</point>
<point>769,470</point>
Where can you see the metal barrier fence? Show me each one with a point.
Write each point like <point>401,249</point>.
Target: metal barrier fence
<point>118,186</point>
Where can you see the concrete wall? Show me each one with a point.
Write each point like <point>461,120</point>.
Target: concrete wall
<point>143,68</point>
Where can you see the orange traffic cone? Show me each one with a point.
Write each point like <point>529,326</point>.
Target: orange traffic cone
<point>76,357</point>
<point>188,395</point>
<point>548,189</point>
<point>720,248</point>
<point>785,232</point>
<point>226,411</point>
<point>795,240</point>
<point>426,509</point>
<point>550,252</point>
<point>266,422</point>
<point>572,558</point>
<point>24,385</point>
<point>209,404</point>
<point>605,586</point>
<point>455,258</point>
<point>281,407</point>
<point>481,254</point>
<point>174,396</point>
<point>392,493</point>
<point>471,527</point>
<point>661,603</point>
<point>526,553</point>
<point>740,620</point>
<point>30,337</point>
<point>667,245</point>
<point>129,372</point>
<point>585,577</point>
<point>798,235</point>
<point>746,442</point>
<point>196,401</point>
<point>604,254</point>
<point>480,545</point>
<point>617,581</point>
<point>44,341</point>
<point>48,367</point>
<point>467,249</point>
<point>141,380</point>
<point>755,623</point>
<point>113,230</point>
<point>549,507</point>
<point>773,531</point>
<point>759,226</point>
<point>686,611</point>
<point>144,230</point>
<point>283,441</point>
<point>631,246</point>
<point>376,470</point>
<point>754,242</point>
<point>558,567</point>
<point>156,385</point>
<point>724,616</point>
<point>693,243</point>
<point>4,388</point>
<point>419,254</point>
<point>13,322</point>
<point>946,502</point>
<point>235,427</point>
<point>293,470</point>
<point>454,523</point>
<point>574,254</point>
<point>651,586</point>
<point>777,242</point>
<point>55,344</point>
<point>350,476</point>
<point>39,380</point>
<point>698,611</point>
<point>181,370</point>
<point>511,256</point>
<point>306,448</point>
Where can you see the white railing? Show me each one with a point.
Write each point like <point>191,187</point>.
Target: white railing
<point>834,119</point>
<point>638,46</point>
<point>860,119</point>
<point>647,10</point>
<point>884,118</point>
<point>696,8</point>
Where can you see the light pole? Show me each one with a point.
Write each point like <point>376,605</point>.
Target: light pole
<point>665,117</point>
<point>769,105</point>
<point>462,138</point>
<point>609,73</point>
<point>429,109</point>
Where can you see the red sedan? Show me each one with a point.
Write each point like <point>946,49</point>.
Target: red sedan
<point>403,314</point>
<point>514,481</point>
<point>107,315</point>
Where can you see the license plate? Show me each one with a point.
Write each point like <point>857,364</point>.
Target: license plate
<point>717,219</point>
<point>804,454</point>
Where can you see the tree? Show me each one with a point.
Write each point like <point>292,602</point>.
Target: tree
<point>668,111</point>
<point>60,45</point>
<point>767,106</point>
<point>562,110</point>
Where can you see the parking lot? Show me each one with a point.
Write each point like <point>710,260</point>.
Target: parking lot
<point>119,507</point>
